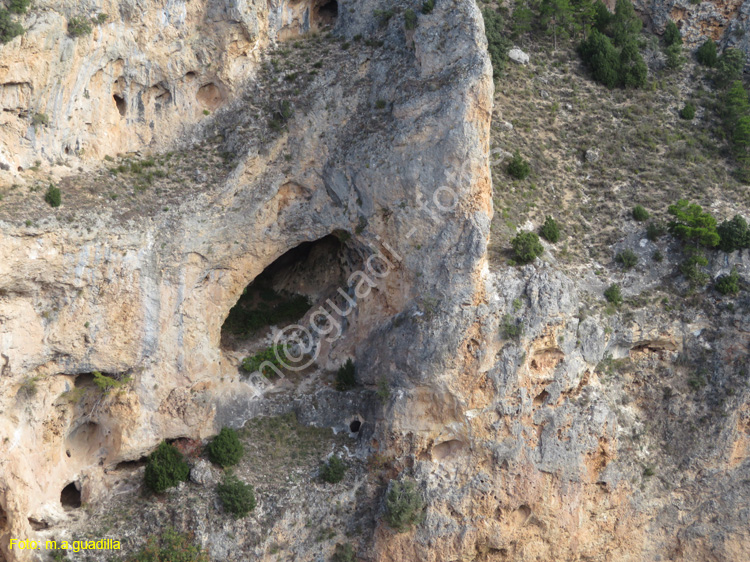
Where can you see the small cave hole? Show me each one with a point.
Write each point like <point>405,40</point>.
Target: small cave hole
<point>70,497</point>
<point>67,150</point>
<point>131,465</point>
<point>541,398</point>
<point>38,525</point>
<point>327,13</point>
<point>354,426</point>
<point>3,518</point>
<point>121,104</point>
<point>20,168</point>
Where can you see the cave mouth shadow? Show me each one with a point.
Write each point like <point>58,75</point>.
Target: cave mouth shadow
<point>285,291</point>
<point>70,497</point>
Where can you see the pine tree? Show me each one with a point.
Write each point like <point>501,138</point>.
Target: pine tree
<point>625,23</point>
<point>672,34</point>
<point>557,18</point>
<point>633,70</point>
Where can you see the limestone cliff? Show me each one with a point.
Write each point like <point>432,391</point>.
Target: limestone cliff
<point>351,165</point>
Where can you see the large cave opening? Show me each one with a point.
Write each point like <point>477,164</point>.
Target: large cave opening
<point>326,13</point>
<point>285,291</point>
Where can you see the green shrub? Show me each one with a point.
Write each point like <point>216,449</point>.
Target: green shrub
<point>692,224</point>
<point>78,26</point>
<point>40,119</point>
<point>627,258</point>
<point>729,284</point>
<point>706,54</point>
<point>345,378</point>
<point>672,34</point>
<point>733,234</point>
<point>100,18</point>
<point>105,383</point>
<point>333,471</point>
<point>344,553</point>
<point>271,355</point>
<point>18,6</point>
<point>53,196</point>
<point>410,19</point>
<point>729,67</point>
<point>655,230</point>
<point>380,104</point>
<point>526,247</point>
<point>518,167</point>
<point>225,449</point>
<point>688,112</point>
<point>549,230</point>
<point>657,256</point>
<point>170,547</point>
<point>237,497</point>
<point>165,468</point>
<point>613,294</point>
<point>639,213</point>
<point>428,6</point>
<point>384,390</point>
<point>404,506</point>
<point>8,28</point>
<point>511,328</point>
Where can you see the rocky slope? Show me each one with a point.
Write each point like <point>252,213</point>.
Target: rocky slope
<point>538,422</point>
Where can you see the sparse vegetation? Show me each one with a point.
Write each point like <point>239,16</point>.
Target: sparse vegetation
<point>404,505</point>
<point>410,20</point>
<point>497,44</point>
<point>333,470</point>
<point>627,258</point>
<point>344,553</point>
<point>18,6</point>
<point>106,383</point>
<point>237,497</point>
<point>166,468</point>
<point>40,120</point>
<point>78,26</point>
<point>170,546</point>
<point>267,359</point>
<point>428,6</point>
<point>384,390</point>
<point>511,328</point>
<point>225,449</point>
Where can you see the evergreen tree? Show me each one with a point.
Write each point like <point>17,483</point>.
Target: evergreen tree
<point>557,18</point>
<point>522,19</point>
<point>602,57</point>
<point>693,224</point>
<point>602,17</point>
<point>625,25</point>
<point>633,70</point>
<point>585,14</point>
<point>729,67</point>
<point>706,54</point>
<point>672,34</point>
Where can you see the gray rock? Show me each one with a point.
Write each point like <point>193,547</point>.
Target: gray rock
<point>517,55</point>
<point>592,155</point>
<point>203,473</point>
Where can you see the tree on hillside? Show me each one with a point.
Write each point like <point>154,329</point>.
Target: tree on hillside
<point>625,23</point>
<point>557,18</point>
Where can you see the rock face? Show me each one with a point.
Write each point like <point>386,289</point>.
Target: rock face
<point>144,295</point>
<point>723,22</point>
<point>141,78</point>
<point>350,169</point>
